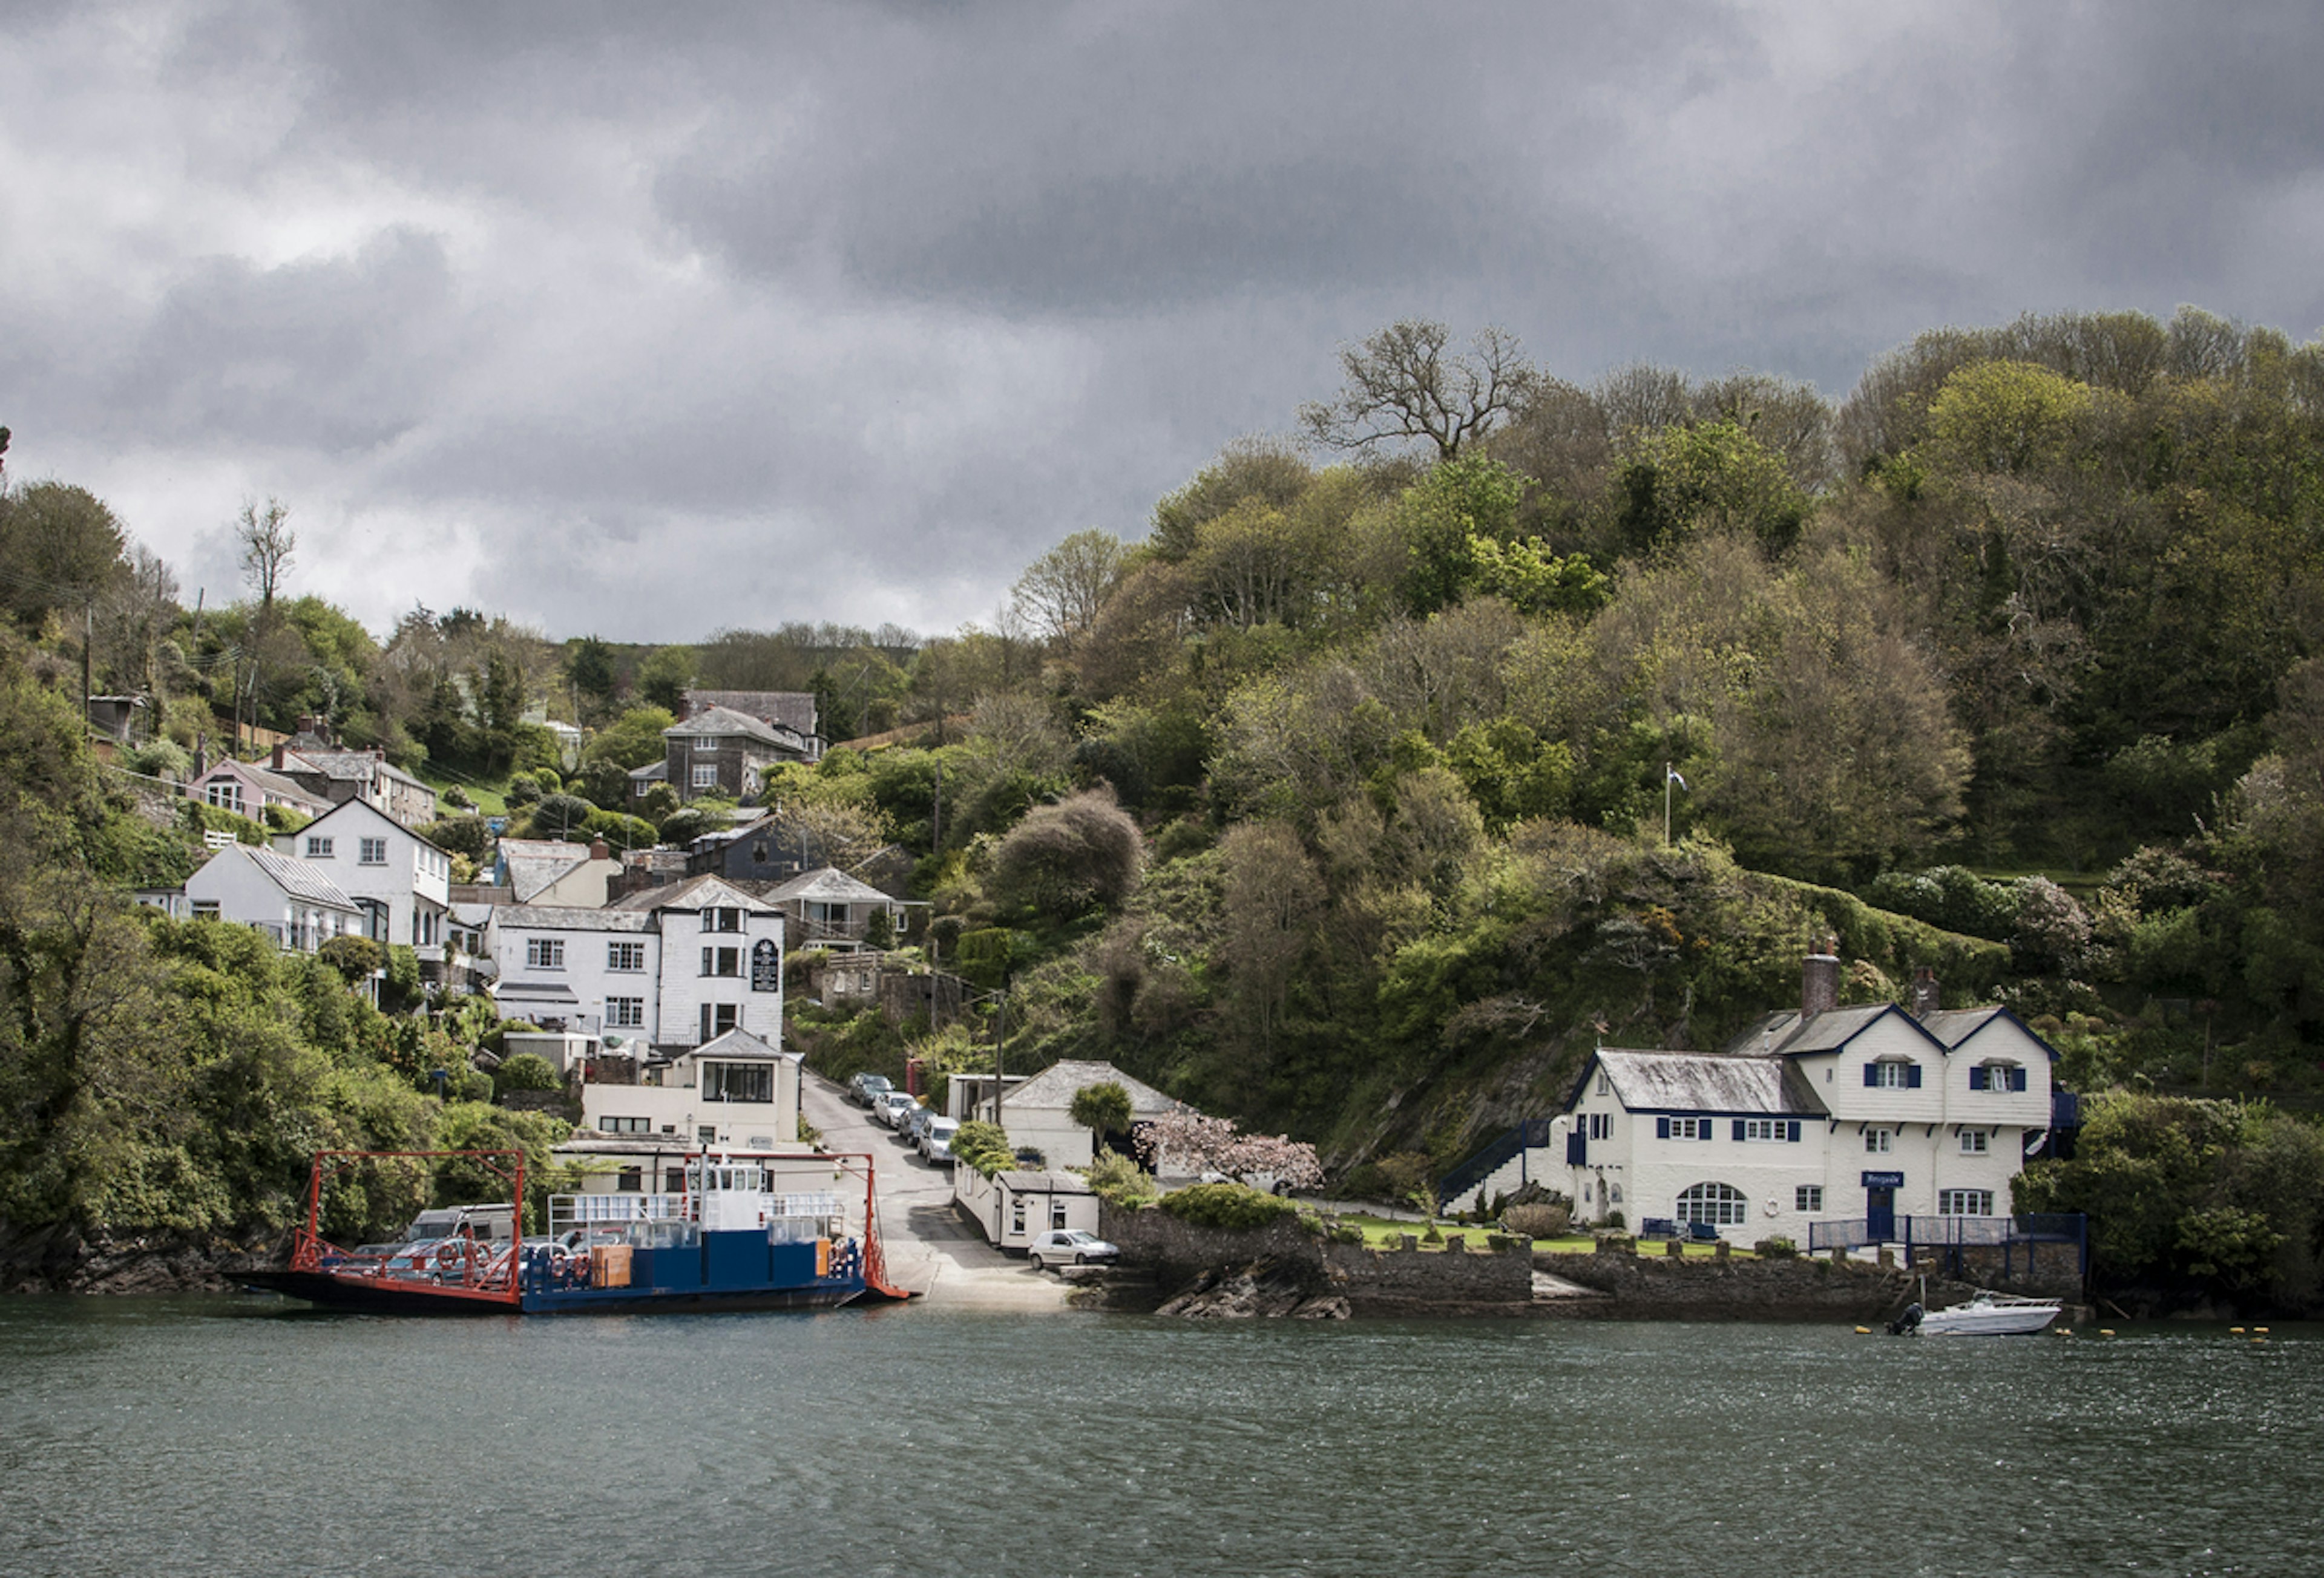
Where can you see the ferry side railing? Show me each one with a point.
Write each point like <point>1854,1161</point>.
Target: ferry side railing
<point>481,1268</point>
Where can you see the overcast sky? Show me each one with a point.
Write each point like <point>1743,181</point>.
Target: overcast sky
<point>650,321</point>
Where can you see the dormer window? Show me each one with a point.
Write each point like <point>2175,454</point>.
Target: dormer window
<point>1892,1074</point>
<point>1997,1077</point>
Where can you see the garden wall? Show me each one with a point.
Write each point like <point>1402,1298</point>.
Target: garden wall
<point>1389,1281</point>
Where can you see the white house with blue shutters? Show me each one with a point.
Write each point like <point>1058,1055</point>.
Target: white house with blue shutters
<point>1866,1114</point>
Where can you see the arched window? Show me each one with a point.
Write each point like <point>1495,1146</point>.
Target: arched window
<point>1715,1203</point>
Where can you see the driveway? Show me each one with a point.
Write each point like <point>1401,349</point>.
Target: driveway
<point>929,1248</point>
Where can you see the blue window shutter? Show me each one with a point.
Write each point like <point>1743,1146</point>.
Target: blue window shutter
<point>1739,1128</point>
<point>1977,1078</point>
<point>1702,1128</point>
<point>1911,1077</point>
<point>1871,1075</point>
<point>1662,1128</point>
<point>2017,1079</point>
<point>1794,1135</point>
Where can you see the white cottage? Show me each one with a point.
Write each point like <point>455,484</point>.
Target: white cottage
<point>733,1090</point>
<point>400,881</point>
<point>1859,1119</point>
<point>1038,1113</point>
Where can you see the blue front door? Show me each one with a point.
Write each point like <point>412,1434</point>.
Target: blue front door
<point>1879,1214</point>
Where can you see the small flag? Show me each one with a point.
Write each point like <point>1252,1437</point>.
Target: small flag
<point>1674,778</point>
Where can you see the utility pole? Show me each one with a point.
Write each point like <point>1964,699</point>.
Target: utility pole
<point>1000,1040</point>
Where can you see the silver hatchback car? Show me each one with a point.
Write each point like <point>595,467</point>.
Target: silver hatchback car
<point>1070,1246</point>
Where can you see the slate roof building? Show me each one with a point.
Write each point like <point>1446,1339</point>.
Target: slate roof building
<point>719,750</point>
<point>294,902</point>
<point>1868,1113</point>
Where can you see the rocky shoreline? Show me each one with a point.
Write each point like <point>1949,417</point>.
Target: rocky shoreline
<point>62,1258</point>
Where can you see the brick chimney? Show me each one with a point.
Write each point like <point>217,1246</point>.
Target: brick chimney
<point>279,749</point>
<point>1924,992</point>
<point>1820,977</point>
<point>598,850</point>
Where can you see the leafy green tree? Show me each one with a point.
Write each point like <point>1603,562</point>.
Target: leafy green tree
<point>59,545</point>
<point>634,739</point>
<point>589,666</point>
<point>663,677</point>
<point>1103,1108</point>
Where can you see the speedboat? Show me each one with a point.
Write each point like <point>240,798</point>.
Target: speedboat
<point>1988,1315</point>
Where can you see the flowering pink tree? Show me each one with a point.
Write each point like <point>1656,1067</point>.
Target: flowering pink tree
<point>1190,1141</point>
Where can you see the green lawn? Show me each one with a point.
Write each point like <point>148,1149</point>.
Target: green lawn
<point>491,798</point>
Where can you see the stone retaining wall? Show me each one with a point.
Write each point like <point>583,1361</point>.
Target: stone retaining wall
<point>1649,1287</point>
<point>1411,1279</point>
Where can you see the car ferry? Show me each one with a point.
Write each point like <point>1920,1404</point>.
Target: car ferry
<point>725,1235</point>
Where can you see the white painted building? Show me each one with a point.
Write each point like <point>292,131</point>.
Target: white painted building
<point>1827,1114</point>
<point>400,881</point>
<point>1014,1207</point>
<point>1038,1113</point>
<point>734,1090</point>
<point>672,968</point>
<point>294,902</point>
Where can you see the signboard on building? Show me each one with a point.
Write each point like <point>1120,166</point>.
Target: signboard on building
<point>766,967</point>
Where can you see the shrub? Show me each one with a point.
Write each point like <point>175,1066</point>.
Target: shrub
<point>1061,859</point>
<point>527,1072</point>
<point>985,1147</point>
<point>1536,1220</point>
<point>1232,1205</point>
<point>354,958</point>
<point>1775,1249</point>
<point>1118,1179</point>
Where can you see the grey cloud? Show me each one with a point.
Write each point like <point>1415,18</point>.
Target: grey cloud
<point>337,355</point>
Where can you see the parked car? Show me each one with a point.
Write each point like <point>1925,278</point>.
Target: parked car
<point>935,1139</point>
<point>890,1107</point>
<point>1071,1246</point>
<point>916,1124</point>
<point>867,1088</point>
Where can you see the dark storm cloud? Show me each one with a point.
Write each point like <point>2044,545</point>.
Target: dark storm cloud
<point>651,320</point>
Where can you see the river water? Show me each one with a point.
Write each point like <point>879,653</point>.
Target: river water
<point>233,1436</point>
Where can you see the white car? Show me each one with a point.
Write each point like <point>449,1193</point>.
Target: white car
<point>889,1108</point>
<point>935,1139</point>
<point>1070,1246</point>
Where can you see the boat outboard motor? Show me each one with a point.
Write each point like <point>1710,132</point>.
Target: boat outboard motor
<point>1907,1322</point>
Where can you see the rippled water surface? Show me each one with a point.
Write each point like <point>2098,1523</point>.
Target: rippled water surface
<point>232,1436</point>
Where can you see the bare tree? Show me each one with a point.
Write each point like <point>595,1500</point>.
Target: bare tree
<point>268,544</point>
<point>1402,386</point>
<point>1061,593</point>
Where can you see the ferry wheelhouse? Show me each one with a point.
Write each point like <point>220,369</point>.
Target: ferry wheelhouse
<point>730,1230</point>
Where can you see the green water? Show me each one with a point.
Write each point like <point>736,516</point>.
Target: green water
<point>230,1435</point>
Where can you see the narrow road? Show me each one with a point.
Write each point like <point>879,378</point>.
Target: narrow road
<point>929,1248</point>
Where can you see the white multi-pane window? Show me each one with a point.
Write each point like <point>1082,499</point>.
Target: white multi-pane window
<point>227,795</point>
<point>319,849</point>
<point>1766,1128</point>
<point>1880,1142</point>
<point>1973,1141</point>
<point>610,1125</point>
<point>1601,1126</point>
<point>1722,1204</point>
<point>1890,1075</point>
<point>1964,1202</point>
<point>371,851</point>
<point>706,774</point>
<point>722,961</point>
<point>625,1013</point>
<point>1808,1198</point>
<point>1690,1128</point>
<point>625,956</point>
<point>544,953</point>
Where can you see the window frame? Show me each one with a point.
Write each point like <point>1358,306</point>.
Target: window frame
<point>1879,1140</point>
<point>544,953</point>
<point>1807,1200</point>
<point>1976,1142</point>
<point>1727,1206</point>
<point>626,1013</point>
<point>1953,1202</point>
<point>618,956</point>
<point>320,846</point>
<point>371,851</point>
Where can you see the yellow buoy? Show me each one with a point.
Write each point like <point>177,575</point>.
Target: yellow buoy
<point>2065,1330</point>
<point>2261,1330</point>
<point>1864,1331</point>
<point>2106,1331</point>
<point>2235,1331</point>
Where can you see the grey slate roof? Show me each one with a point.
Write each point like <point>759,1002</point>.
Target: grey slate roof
<point>827,885</point>
<point>534,863</point>
<point>1954,1026</point>
<point>1057,1085</point>
<point>569,918</point>
<point>743,1044</point>
<point>1046,1183</point>
<point>1709,1082</point>
<point>791,709</point>
<point>707,892</point>
<point>299,879</point>
<point>721,722</point>
<point>1786,1033</point>
<point>269,780</point>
